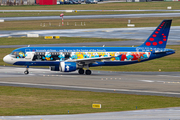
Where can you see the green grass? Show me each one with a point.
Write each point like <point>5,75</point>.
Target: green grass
<point>108,6</point>
<point>35,101</point>
<point>41,40</point>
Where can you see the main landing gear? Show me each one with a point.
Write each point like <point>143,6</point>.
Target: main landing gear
<point>81,71</point>
<point>26,71</point>
<point>87,72</point>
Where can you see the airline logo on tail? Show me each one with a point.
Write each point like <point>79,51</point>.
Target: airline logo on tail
<point>158,38</point>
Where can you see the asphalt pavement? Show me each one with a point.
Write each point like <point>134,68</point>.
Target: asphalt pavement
<point>92,16</point>
<point>168,10</point>
<point>141,83</point>
<point>153,114</point>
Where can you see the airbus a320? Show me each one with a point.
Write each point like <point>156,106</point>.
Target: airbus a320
<point>68,59</point>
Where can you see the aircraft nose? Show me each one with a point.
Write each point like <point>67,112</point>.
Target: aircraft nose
<point>7,59</point>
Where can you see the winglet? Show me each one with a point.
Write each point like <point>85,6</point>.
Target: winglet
<point>159,37</point>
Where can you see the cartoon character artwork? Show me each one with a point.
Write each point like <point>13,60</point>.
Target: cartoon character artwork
<point>123,57</point>
<point>117,56</point>
<point>145,56</point>
<point>47,56</point>
<point>61,57</point>
<point>73,56</point>
<point>129,56</point>
<point>96,55</point>
<point>20,55</point>
<point>136,56</point>
<point>86,55</point>
<point>93,55</point>
<point>106,54</point>
<point>79,55</point>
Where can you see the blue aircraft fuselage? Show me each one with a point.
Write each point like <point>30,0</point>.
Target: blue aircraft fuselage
<point>52,56</point>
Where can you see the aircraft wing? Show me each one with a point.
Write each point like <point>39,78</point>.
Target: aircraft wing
<point>90,60</point>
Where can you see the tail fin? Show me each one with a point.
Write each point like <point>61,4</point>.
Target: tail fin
<point>158,38</point>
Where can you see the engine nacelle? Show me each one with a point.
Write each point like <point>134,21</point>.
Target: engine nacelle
<point>67,66</point>
<point>54,68</point>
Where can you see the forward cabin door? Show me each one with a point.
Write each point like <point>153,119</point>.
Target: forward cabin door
<point>29,54</point>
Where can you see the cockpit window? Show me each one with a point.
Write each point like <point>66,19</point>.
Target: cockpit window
<point>18,54</point>
<point>13,53</point>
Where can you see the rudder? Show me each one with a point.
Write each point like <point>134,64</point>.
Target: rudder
<point>158,38</point>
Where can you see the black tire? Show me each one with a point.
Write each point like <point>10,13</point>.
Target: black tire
<point>26,72</point>
<point>88,72</point>
<point>81,71</point>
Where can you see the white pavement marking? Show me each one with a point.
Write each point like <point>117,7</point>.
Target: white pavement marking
<point>91,88</point>
<point>168,75</point>
<point>146,80</point>
<point>60,75</point>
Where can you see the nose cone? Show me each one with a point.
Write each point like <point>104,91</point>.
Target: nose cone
<point>7,59</point>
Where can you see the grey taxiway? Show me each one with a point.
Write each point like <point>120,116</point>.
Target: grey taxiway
<point>154,114</point>
<point>92,16</point>
<point>141,83</point>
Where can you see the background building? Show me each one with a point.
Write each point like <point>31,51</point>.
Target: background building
<point>17,2</point>
<point>46,2</point>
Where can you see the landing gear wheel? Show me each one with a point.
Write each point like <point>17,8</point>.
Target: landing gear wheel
<point>26,72</point>
<point>88,72</point>
<point>81,71</point>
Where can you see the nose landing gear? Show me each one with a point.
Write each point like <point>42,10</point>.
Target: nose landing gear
<point>26,71</point>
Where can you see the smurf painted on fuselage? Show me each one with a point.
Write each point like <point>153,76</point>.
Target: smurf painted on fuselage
<point>61,57</point>
<point>47,57</point>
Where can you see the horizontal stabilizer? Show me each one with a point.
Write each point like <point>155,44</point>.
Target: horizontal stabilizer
<point>159,52</point>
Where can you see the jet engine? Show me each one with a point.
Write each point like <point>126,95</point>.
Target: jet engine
<point>67,66</point>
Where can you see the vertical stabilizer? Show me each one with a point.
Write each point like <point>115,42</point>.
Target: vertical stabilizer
<point>159,37</point>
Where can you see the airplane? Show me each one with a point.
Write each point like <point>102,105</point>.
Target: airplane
<point>68,59</point>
